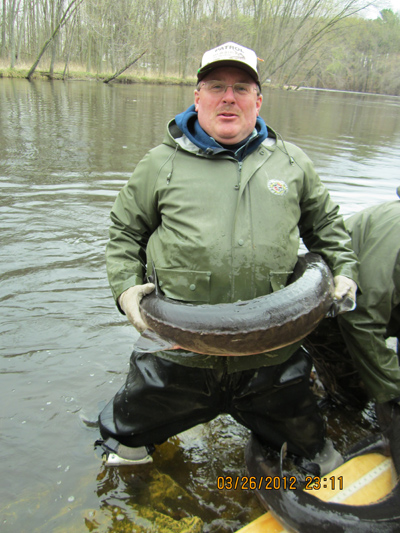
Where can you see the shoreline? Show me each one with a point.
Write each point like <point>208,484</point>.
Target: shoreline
<point>128,79</point>
<point>21,73</point>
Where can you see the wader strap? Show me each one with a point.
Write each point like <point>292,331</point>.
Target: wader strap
<point>108,445</point>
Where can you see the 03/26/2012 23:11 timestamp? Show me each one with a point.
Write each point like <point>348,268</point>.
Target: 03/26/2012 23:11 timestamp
<point>277,483</point>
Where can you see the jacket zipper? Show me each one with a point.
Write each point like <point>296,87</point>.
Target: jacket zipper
<point>237,187</point>
<point>240,164</point>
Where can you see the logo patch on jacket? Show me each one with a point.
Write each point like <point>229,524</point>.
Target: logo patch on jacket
<point>278,187</point>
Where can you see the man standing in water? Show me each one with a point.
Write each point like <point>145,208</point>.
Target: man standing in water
<point>218,207</point>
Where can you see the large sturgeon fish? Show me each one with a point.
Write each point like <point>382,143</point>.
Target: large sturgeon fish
<point>248,327</point>
<point>302,512</point>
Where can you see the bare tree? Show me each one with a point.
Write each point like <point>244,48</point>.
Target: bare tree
<point>120,71</point>
<point>287,31</point>
<point>64,19</point>
<point>13,11</point>
<point>3,29</point>
<point>56,10</point>
<point>189,11</point>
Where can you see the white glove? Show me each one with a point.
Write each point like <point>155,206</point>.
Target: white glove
<point>129,302</point>
<point>345,294</point>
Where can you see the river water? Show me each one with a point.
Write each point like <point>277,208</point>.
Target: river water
<point>65,151</point>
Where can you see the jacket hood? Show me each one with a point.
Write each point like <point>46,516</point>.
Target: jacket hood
<point>189,125</point>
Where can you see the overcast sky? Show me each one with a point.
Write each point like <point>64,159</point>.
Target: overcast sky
<point>373,12</point>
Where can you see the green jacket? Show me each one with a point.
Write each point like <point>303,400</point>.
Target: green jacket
<point>219,230</point>
<point>375,235</point>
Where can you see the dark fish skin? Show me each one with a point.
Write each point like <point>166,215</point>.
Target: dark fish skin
<point>302,512</point>
<point>249,327</point>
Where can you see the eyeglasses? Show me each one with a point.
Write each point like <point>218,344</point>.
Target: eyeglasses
<point>240,90</point>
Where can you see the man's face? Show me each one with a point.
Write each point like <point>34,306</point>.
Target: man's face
<point>228,118</point>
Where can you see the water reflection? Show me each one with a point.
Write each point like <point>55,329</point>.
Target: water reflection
<point>352,138</point>
<point>65,151</point>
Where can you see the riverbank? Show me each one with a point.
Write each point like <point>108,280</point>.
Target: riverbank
<point>80,75</point>
<point>149,79</point>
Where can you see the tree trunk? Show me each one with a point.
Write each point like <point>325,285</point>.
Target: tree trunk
<point>21,31</point>
<point>56,16</point>
<point>13,14</point>
<point>89,54</point>
<point>3,30</point>
<point>69,46</point>
<point>63,20</point>
<point>124,68</point>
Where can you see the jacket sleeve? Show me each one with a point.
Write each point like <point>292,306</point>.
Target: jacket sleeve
<point>364,331</point>
<point>322,228</point>
<point>134,217</point>
<point>374,234</point>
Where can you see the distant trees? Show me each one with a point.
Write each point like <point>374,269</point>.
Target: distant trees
<point>302,42</point>
<point>365,58</point>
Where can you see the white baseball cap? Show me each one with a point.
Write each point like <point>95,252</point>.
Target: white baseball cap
<point>229,54</point>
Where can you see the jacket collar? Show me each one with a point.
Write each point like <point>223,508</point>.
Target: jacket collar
<point>189,125</point>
